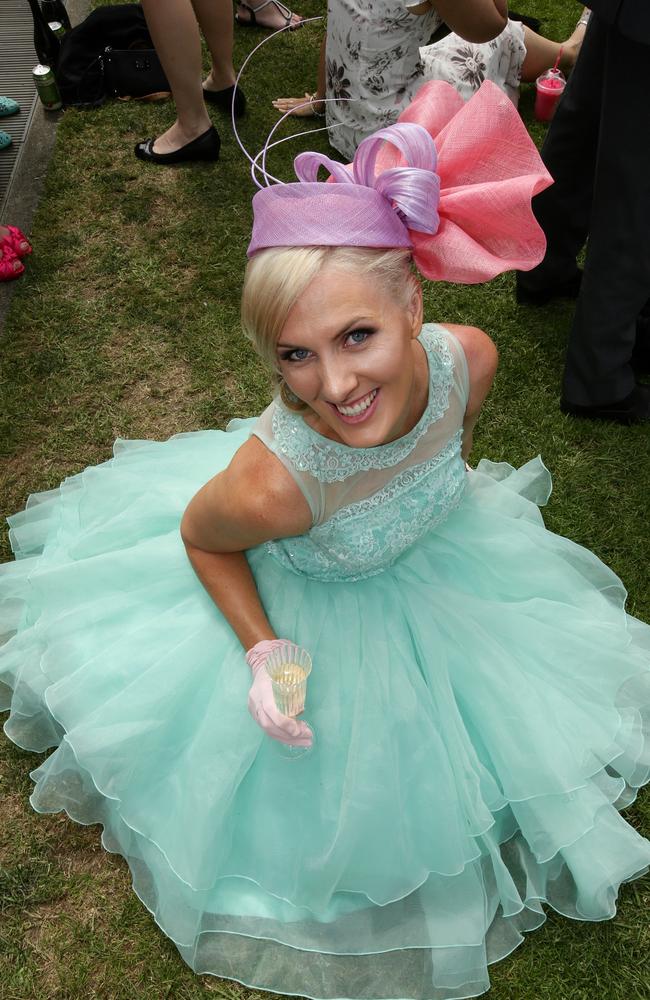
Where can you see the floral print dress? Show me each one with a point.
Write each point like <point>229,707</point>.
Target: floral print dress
<point>465,65</point>
<point>378,57</point>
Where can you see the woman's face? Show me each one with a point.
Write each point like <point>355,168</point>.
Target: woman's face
<point>347,350</point>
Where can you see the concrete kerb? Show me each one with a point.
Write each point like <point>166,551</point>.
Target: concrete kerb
<point>26,186</point>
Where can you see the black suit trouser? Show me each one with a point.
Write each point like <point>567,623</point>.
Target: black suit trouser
<point>598,151</point>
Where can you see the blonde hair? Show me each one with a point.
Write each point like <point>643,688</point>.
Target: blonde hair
<point>276,278</point>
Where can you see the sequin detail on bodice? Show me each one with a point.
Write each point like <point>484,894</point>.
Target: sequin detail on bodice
<point>365,537</point>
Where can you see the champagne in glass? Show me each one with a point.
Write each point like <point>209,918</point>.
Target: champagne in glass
<point>289,667</point>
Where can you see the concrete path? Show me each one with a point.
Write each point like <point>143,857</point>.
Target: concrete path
<point>35,130</point>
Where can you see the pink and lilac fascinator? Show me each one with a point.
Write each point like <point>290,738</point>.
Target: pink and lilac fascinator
<point>452,181</point>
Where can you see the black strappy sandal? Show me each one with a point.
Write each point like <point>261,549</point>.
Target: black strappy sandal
<point>251,21</point>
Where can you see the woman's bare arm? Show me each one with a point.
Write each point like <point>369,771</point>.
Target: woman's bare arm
<point>474,20</point>
<point>253,500</point>
<point>482,360</point>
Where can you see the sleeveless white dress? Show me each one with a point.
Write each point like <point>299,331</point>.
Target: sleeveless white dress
<point>378,57</point>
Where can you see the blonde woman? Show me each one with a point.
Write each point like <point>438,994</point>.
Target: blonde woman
<point>475,714</point>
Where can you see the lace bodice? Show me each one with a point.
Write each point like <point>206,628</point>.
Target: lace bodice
<point>370,504</point>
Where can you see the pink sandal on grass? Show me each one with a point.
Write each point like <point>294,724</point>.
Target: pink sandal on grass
<point>15,240</point>
<point>252,22</point>
<point>10,266</point>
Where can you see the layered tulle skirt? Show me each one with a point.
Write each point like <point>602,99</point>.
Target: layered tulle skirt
<point>481,716</point>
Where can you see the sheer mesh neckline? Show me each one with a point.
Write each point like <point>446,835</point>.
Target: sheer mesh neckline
<point>329,461</point>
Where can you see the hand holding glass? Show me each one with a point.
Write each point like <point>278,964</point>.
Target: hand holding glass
<point>289,666</point>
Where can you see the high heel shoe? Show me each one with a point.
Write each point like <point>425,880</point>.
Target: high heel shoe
<point>204,147</point>
<point>16,241</point>
<point>10,266</point>
<point>223,99</point>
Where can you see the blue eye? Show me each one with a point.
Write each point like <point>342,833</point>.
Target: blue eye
<point>358,336</point>
<point>299,354</point>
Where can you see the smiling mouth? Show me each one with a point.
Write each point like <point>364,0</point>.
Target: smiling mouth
<point>358,411</point>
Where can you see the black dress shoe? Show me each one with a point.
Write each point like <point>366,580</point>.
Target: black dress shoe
<point>204,147</point>
<point>567,289</point>
<point>223,99</point>
<point>634,409</point>
<point>640,359</point>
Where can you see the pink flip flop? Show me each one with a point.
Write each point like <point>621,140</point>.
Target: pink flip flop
<point>16,241</point>
<point>10,266</point>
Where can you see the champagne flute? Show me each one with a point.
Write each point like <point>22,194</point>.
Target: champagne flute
<point>289,666</point>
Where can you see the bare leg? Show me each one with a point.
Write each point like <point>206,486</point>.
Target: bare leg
<point>175,35</point>
<point>284,104</point>
<point>541,52</point>
<point>216,21</point>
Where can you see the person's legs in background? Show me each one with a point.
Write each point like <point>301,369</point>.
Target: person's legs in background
<point>616,281</point>
<point>174,28</point>
<point>216,22</point>
<point>603,194</point>
<point>569,153</point>
<point>175,34</point>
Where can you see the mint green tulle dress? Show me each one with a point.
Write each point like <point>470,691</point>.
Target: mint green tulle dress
<point>479,698</point>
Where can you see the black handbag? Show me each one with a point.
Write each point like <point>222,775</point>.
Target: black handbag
<point>117,35</point>
<point>133,73</point>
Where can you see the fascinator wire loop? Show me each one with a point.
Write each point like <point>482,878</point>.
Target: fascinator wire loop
<point>255,166</point>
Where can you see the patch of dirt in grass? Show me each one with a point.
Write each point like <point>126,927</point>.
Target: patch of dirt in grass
<point>83,854</point>
<point>228,989</point>
<point>159,407</point>
<point>151,397</point>
<point>53,931</point>
<point>156,397</point>
<point>50,934</point>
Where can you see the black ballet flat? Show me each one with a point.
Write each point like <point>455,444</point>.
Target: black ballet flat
<point>204,147</point>
<point>222,99</point>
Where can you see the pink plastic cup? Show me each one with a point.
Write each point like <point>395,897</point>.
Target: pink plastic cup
<point>550,87</point>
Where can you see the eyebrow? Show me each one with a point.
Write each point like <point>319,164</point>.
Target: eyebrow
<point>348,326</point>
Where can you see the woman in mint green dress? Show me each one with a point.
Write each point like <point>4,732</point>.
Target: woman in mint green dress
<point>476,705</point>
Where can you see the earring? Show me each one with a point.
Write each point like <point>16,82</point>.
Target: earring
<point>289,398</point>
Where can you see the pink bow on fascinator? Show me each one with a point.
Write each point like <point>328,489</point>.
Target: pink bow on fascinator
<point>451,181</point>
<point>489,171</point>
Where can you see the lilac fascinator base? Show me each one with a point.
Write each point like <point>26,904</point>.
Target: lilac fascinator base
<point>452,181</point>
<point>317,214</point>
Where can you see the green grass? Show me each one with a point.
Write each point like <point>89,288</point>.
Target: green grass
<point>126,323</point>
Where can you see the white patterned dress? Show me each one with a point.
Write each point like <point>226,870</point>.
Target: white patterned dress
<point>378,57</point>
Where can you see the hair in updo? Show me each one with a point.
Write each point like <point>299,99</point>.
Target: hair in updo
<point>276,278</point>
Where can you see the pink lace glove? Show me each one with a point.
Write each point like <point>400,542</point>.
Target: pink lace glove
<point>261,703</point>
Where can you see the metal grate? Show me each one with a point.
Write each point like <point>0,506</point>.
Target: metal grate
<point>17,59</point>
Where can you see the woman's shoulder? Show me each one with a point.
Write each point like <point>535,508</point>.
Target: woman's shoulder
<point>261,488</point>
<point>466,353</point>
<point>478,348</point>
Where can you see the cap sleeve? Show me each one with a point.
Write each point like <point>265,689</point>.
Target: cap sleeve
<point>308,485</point>
<point>461,371</point>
